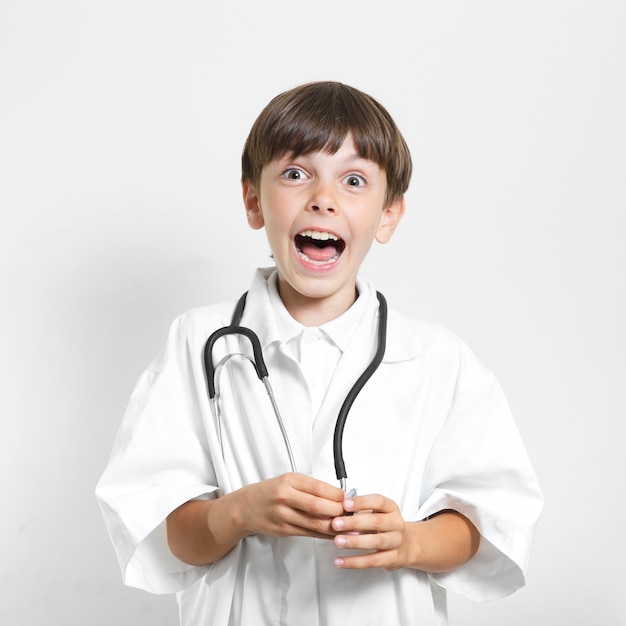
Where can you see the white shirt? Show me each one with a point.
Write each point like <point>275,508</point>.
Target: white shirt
<point>431,430</point>
<point>316,349</point>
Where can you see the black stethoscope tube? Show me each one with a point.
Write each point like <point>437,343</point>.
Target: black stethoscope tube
<point>233,329</point>
<point>340,467</point>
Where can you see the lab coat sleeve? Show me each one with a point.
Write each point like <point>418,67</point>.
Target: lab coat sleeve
<point>479,467</point>
<point>159,461</point>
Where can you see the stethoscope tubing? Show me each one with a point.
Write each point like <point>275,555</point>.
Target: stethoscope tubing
<point>340,466</point>
<point>261,370</point>
<point>257,362</point>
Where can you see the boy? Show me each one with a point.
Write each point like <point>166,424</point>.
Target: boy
<point>209,509</point>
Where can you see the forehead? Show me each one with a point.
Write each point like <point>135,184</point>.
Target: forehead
<point>337,148</point>
<point>347,153</point>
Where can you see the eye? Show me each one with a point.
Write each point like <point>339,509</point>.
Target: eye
<point>354,180</point>
<point>293,173</point>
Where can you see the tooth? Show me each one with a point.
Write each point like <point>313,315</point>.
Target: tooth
<point>319,235</point>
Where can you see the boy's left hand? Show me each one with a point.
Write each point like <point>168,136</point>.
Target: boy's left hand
<point>444,541</point>
<point>378,528</point>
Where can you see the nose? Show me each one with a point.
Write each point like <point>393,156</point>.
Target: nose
<point>322,199</point>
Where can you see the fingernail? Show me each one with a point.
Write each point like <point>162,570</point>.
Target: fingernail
<point>340,541</point>
<point>338,523</point>
<point>338,562</point>
<point>348,504</point>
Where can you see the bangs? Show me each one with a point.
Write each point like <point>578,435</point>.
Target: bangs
<point>323,123</point>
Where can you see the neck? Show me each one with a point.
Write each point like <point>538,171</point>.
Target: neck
<point>311,311</point>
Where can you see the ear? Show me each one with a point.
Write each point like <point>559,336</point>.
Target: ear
<point>253,206</point>
<point>391,217</point>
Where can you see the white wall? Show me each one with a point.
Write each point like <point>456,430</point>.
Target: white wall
<point>121,126</point>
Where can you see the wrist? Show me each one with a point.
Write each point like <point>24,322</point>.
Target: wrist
<point>231,515</point>
<point>414,540</point>
<point>443,542</point>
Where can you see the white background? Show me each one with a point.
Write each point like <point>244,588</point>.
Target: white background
<point>121,127</point>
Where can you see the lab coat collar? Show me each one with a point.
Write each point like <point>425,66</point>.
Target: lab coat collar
<point>260,315</point>
<point>339,330</point>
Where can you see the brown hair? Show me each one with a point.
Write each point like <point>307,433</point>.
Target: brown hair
<point>320,115</point>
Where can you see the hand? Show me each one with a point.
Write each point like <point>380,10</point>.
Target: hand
<point>443,542</point>
<point>378,528</point>
<point>203,531</point>
<point>291,505</point>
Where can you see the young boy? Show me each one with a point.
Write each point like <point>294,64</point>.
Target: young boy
<point>212,509</point>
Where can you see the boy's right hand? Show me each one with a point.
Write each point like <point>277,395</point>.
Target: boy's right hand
<point>203,531</point>
<point>290,505</point>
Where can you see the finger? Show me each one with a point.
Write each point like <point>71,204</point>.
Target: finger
<point>304,510</point>
<point>315,487</point>
<point>285,521</point>
<point>316,506</point>
<point>308,495</point>
<point>299,530</point>
<point>314,526</point>
<point>370,502</point>
<point>369,541</point>
<point>384,559</point>
<point>368,523</point>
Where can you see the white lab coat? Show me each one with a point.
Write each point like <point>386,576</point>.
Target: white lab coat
<point>431,430</point>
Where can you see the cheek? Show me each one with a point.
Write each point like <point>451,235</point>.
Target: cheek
<point>277,232</point>
<point>374,228</point>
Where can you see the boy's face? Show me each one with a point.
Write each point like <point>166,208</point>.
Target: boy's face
<point>321,213</point>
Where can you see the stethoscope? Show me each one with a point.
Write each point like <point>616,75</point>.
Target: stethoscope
<point>213,371</point>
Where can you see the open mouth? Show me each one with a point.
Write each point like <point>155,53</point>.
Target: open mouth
<point>319,247</point>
